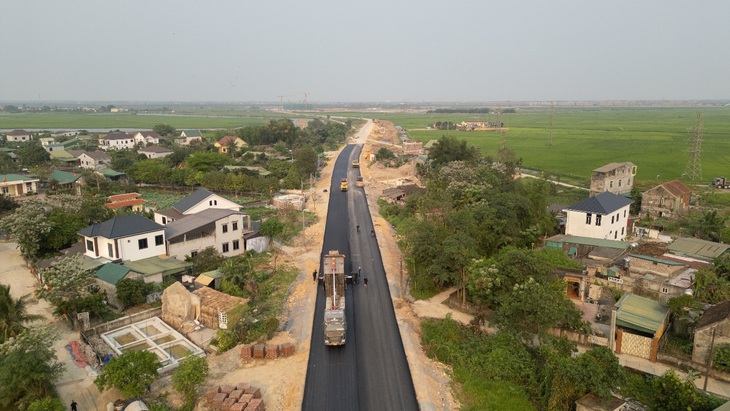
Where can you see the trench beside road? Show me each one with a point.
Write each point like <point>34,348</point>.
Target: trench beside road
<point>371,371</point>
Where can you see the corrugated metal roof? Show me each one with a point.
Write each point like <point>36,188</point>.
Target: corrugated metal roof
<point>603,203</point>
<point>694,247</point>
<point>196,221</point>
<point>640,313</point>
<point>123,226</point>
<point>597,242</point>
<point>656,260</point>
<point>157,265</point>
<point>191,200</point>
<point>112,273</point>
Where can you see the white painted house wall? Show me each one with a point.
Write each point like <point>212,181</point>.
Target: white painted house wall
<point>128,247</point>
<point>612,226</point>
<point>213,201</point>
<point>216,240</point>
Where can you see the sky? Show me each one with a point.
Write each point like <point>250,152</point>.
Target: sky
<point>367,51</point>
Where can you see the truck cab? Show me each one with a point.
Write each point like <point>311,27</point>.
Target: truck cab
<point>335,327</point>
<point>355,164</point>
<point>343,184</point>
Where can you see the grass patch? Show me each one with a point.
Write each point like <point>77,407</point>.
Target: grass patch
<point>487,395</point>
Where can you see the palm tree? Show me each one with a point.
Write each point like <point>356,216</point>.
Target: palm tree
<point>13,313</point>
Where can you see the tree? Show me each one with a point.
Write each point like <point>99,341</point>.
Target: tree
<point>190,376</point>
<point>449,149</point>
<point>305,159</point>
<point>672,393</point>
<point>47,404</point>
<point>32,154</point>
<point>66,284</point>
<point>207,259</point>
<point>28,226</point>
<point>132,292</point>
<point>384,154</point>
<point>164,130</point>
<point>28,368</point>
<point>131,373</point>
<point>272,227</point>
<point>13,314</point>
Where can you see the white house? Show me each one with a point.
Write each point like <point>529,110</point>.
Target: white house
<point>14,185</point>
<point>221,229</point>
<point>94,160</point>
<point>196,202</point>
<point>116,141</point>
<point>19,135</point>
<point>127,238</point>
<point>155,152</point>
<point>146,137</point>
<point>603,216</point>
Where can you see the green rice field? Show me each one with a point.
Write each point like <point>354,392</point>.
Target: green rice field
<point>655,139</point>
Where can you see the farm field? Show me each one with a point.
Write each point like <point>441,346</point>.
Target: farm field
<point>77,121</point>
<point>655,139</point>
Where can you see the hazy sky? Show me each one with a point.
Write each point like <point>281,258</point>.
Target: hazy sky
<point>411,51</point>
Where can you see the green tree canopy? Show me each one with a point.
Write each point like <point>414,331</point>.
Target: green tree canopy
<point>131,373</point>
<point>189,376</point>
<point>13,314</point>
<point>449,149</point>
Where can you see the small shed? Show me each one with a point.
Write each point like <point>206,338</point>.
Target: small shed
<point>715,319</point>
<point>638,326</point>
<point>215,306</point>
<point>212,279</point>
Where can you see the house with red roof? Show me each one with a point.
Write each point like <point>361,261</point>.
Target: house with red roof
<point>223,144</point>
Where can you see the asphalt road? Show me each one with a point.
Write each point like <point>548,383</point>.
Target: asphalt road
<point>371,371</point>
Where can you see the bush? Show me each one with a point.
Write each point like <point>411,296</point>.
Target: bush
<point>133,292</point>
<point>721,359</point>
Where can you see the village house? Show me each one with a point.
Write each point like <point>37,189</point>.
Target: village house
<point>128,238</point>
<point>131,202</point>
<point>47,141</point>
<point>92,160</point>
<point>638,324</point>
<point>188,136</point>
<point>15,185</point>
<point>183,309</point>
<point>116,141</point>
<point>617,178</point>
<point>201,199</point>
<point>153,152</point>
<point>603,216</point>
<point>64,180</point>
<point>668,200</point>
<point>221,229</point>
<point>19,136</point>
<point>146,137</point>
<point>412,148</point>
<point>715,322</point>
<point>224,143</point>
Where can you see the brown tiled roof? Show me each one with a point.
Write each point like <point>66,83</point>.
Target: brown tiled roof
<point>19,133</point>
<point>117,136</point>
<point>676,188</point>
<point>714,314</point>
<point>218,300</point>
<point>98,155</point>
<point>227,139</point>
<point>125,203</point>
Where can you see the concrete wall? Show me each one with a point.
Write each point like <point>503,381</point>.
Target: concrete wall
<point>703,338</point>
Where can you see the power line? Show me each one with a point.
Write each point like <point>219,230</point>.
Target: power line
<point>693,171</point>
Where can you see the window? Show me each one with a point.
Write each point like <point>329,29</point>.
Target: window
<point>225,247</point>
<point>665,290</point>
<point>598,219</point>
<point>610,184</point>
<point>193,254</point>
<point>615,235</point>
<point>89,245</point>
<point>588,218</point>
<point>142,243</point>
<point>617,216</point>
<point>28,187</point>
<point>611,219</point>
<point>236,245</point>
<point>5,190</point>
<point>234,226</point>
<point>159,240</point>
<point>110,250</point>
<point>622,231</point>
<point>164,220</point>
<point>225,228</point>
<point>624,213</point>
<point>619,183</point>
<point>661,201</point>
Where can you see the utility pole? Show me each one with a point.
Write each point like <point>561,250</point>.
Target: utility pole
<point>550,124</point>
<point>709,359</point>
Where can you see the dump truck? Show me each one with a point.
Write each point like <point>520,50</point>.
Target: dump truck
<point>355,164</point>
<point>335,324</point>
<point>343,184</point>
<point>359,182</point>
<point>720,182</point>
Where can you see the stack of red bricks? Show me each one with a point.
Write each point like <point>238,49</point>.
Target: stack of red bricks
<point>268,351</point>
<point>241,397</point>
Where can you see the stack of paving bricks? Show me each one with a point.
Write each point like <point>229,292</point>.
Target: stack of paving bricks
<point>242,397</point>
<point>269,351</point>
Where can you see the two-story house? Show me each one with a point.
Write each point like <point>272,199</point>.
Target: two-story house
<point>127,238</point>
<point>221,229</point>
<point>199,200</point>
<point>19,136</point>
<point>223,144</point>
<point>603,216</point>
<point>617,178</point>
<point>146,137</point>
<point>666,200</point>
<point>155,152</point>
<point>188,136</point>
<point>116,141</point>
<point>93,160</point>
